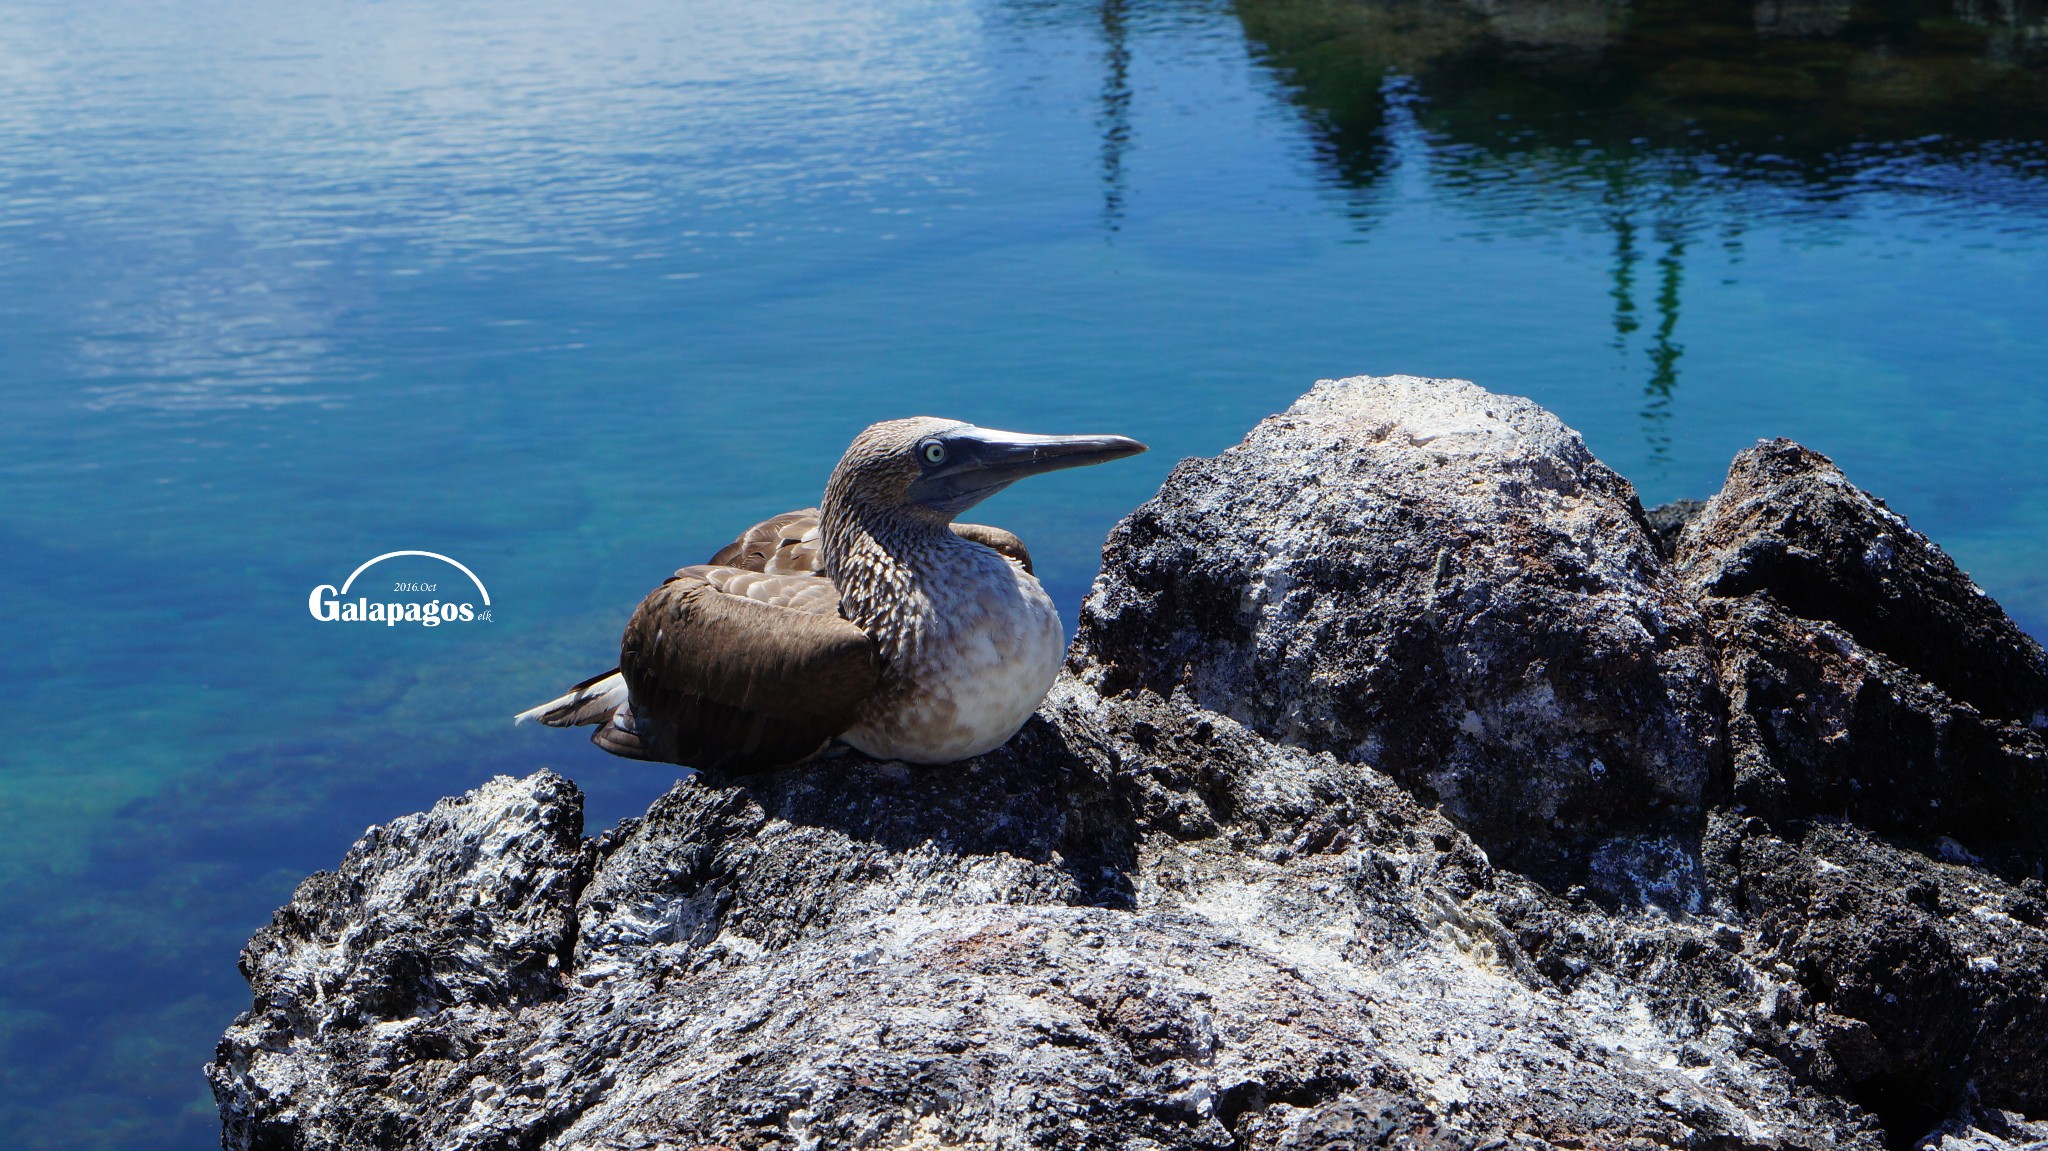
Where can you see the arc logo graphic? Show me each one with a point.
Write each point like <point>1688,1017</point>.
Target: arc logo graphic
<point>330,604</point>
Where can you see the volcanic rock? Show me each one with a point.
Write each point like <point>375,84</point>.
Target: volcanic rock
<point>1387,801</point>
<point>1443,583</point>
<point>1868,676</point>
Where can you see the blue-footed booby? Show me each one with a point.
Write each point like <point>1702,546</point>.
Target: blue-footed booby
<point>873,619</point>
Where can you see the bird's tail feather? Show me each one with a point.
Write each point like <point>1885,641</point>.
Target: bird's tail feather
<point>624,735</point>
<point>592,701</point>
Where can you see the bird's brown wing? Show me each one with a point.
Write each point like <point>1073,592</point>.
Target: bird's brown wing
<point>784,545</point>
<point>736,671</point>
<point>789,545</point>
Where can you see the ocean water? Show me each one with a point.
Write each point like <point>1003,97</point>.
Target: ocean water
<point>571,293</point>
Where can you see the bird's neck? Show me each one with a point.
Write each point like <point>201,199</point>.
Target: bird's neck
<point>879,558</point>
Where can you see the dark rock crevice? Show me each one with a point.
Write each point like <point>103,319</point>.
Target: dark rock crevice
<point>1408,786</point>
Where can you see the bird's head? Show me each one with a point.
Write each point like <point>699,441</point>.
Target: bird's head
<point>936,468</point>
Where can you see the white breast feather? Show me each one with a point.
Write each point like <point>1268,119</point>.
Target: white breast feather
<point>989,645</point>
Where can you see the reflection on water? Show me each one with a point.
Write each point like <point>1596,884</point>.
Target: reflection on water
<point>1802,84</point>
<point>1667,121</point>
<point>1116,110</point>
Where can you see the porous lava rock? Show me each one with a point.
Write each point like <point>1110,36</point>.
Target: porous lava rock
<point>1441,582</point>
<point>1385,802</point>
<point>1889,808</point>
<point>1868,676</point>
<point>408,958</point>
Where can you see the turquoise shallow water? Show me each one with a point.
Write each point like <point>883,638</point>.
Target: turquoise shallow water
<point>570,296</point>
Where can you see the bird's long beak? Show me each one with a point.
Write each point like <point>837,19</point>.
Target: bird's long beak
<point>1018,455</point>
<point>983,461</point>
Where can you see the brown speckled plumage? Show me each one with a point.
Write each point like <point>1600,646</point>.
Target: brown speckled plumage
<point>874,618</point>
<point>790,544</point>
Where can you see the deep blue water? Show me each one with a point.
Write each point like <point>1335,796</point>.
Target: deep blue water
<point>571,295</point>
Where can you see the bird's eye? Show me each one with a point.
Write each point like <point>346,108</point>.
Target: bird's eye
<point>934,452</point>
